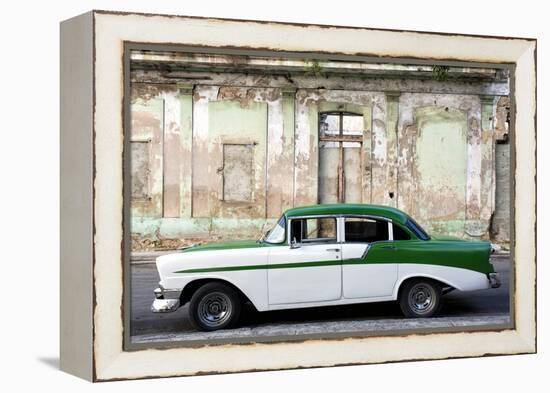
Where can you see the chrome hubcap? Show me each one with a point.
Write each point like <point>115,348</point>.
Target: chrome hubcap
<point>421,298</point>
<point>214,309</point>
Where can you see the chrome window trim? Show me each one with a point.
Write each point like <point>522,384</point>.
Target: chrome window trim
<point>285,229</point>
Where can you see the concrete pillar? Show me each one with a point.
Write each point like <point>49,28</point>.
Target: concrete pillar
<point>172,152</point>
<point>487,159</point>
<point>280,153</point>
<point>379,155</point>
<point>203,171</point>
<point>306,149</point>
<point>392,117</point>
<point>473,225</point>
<point>186,141</point>
<point>366,158</point>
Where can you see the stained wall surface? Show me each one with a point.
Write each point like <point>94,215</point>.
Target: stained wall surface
<point>220,153</point>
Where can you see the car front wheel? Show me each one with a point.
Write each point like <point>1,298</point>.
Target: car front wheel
<point>214,306</point>
<point>420,298</point>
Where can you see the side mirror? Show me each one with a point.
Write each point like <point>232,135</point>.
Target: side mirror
<point>294,243</point>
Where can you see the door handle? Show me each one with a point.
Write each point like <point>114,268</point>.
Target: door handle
<point>333,249</point>
<point>388,247</point>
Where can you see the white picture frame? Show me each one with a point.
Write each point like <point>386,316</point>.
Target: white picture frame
<point>92,202</point>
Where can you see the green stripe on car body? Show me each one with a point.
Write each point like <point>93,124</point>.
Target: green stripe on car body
<point>288,265</point>
<point>293,265</point>
<point>450,253</point>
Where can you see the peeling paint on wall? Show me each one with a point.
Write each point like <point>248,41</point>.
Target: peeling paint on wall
<point>202,168</point>
<point>223,154</point>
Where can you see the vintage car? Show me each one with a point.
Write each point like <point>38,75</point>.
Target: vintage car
<point>323,255</point>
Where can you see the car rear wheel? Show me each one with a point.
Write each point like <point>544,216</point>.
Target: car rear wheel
<point>214,306</point>
<point>420,298</point>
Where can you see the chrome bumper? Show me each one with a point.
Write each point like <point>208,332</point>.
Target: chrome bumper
<point>166,300</point>
<point>494,280</point>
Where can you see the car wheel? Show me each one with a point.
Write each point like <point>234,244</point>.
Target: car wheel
<point>420,298</point>
<point>214,306</point>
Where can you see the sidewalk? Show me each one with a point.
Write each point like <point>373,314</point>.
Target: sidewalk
<point>296,330</point>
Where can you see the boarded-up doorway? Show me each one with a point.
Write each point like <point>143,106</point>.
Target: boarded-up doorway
<point>340,140</point>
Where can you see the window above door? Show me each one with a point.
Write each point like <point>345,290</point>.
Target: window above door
<point>340,127</point>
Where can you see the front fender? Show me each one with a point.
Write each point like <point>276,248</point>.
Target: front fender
<point>253,284</point>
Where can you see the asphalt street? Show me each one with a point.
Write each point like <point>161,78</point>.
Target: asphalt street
<point>461,309</point>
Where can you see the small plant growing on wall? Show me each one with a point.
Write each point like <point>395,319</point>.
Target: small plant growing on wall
<point>440,73</point>
<point>313,68</point>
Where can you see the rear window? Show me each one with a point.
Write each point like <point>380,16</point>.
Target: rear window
<point>365,230</point>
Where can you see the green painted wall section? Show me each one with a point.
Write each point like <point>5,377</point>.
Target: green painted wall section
<point>235,120</point>
<point>223,228</point>
<point>441,166</point>
<point>231,122</point>
<point>487,112</point>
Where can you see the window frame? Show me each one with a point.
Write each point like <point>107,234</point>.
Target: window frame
<point>340,138</point>
<point>341,230</point>
<point>340,227</point>
<point>336,217</point>
<point>371,217</point>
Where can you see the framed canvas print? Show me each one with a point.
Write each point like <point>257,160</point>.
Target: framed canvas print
<point>247,195</point>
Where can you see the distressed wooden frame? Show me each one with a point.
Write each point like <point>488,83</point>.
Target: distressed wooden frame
<point>92,197</point>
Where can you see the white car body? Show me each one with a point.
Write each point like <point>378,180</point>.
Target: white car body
<point>275,289</point>
<point>285,276</point>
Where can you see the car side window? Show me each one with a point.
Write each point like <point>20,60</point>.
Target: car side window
<point>365,230</point>
<point>399,233</point>
<point>309,230</point>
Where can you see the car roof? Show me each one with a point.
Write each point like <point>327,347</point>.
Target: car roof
<point>351,209</point>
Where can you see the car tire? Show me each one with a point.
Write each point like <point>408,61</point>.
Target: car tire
<point>420,298</point>
<point>214,306</point>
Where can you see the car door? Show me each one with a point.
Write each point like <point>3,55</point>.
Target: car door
<point>365,277</point>
<point>309,269</point>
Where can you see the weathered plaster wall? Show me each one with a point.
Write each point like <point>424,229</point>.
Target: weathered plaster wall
<point>500,223</point>
<point>441,162</point>
<point>229,152</point>
<point>500,228</point>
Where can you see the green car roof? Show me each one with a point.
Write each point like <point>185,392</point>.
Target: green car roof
<point>345,208</point>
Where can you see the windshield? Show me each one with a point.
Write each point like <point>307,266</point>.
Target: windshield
<point>417,229</point>
<point>277,233</point>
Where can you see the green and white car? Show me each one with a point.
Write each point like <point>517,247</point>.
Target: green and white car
<point>323,255</point>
